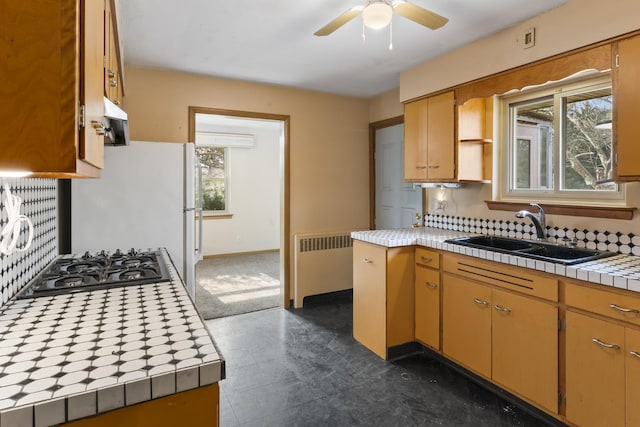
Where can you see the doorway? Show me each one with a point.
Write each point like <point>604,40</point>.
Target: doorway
<point>245,220</point>
<point>395,203</point>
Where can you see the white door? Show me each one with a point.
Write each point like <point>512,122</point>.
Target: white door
<point>397,202</point>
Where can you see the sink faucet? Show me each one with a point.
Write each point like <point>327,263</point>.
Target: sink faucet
<point>539,221</point>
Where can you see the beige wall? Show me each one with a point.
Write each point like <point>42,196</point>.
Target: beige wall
<point>575,24</point>
<point>385,106</point>
<point>328,138</point>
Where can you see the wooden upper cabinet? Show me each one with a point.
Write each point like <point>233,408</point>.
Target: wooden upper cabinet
<point>51,87</point>
<point>626,126</point>
<point>113,76</point>
<point>475,137</point>
<point>429,140</point>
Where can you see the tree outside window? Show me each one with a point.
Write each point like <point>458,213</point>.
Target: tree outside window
<point>214,178</point>
<point>557,146</point>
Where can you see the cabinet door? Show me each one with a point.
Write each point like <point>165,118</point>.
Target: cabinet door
<point>466,323</point>
<point>632,365</point>
<point>427,306</point>
<point>524,334</point>
<point>369,297</point>
<point>399,302</point>
<point>92,87</point>
<point>595,374</point>
<point>416,116</point>
<point>440,137</point>
<point>626,126</point>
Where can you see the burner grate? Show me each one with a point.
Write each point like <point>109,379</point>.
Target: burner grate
<point>72,273</point>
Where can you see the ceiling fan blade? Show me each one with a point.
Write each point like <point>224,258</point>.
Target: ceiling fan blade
<point>419,15</point>
<point>339,21</point>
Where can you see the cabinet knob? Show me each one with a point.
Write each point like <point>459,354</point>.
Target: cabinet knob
<point>635,354</point>
<point>367,261</point>
<point>480,302</point>
<point>624,310</point>
<point>502,309</point>
<point>605,345</point>
<point>431,285</point>
<point>113,82</point>
<point>434,166</point>
<point>426,259</point>
<point>421,167</point>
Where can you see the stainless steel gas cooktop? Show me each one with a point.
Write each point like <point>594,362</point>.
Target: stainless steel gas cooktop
<point>88,272</point>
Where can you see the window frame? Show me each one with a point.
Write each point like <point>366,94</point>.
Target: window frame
<point>503,187</point>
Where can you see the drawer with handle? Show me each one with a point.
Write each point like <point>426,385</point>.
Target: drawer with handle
<point>617,305</point>
<point>427,257</point>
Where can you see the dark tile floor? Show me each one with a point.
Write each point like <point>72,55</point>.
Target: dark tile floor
<point>303,368</point>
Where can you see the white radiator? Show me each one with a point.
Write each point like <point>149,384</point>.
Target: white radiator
<point>322,263</point>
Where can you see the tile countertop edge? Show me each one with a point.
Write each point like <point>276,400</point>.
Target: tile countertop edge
<point>620,271</point>
<point>51,408</point>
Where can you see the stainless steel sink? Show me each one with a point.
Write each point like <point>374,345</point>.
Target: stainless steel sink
<point>530,249</point>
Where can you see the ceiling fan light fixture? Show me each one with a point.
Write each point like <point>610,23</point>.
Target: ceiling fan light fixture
<point>377,14</point>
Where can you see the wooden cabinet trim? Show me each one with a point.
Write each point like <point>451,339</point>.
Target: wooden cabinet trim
<point>611,212</point>
<point>553,68</point>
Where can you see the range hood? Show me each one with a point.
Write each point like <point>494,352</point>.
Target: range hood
<point>116,124</point>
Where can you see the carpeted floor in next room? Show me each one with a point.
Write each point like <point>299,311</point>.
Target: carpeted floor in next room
<point>226,286</point>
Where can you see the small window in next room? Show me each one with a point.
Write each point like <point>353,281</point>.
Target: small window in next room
<point>214,178</point>
<point>556,145</point>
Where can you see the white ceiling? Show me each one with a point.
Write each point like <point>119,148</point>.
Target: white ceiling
<point>272,41</point>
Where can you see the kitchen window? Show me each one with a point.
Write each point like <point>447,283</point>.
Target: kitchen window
<point>557,146</point>
<point>215,178</point>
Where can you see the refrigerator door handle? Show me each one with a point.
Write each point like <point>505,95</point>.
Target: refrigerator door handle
<point>198,252</point>
<point>199,207</point>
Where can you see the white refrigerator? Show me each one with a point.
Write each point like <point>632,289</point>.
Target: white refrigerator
<point>148,196</point>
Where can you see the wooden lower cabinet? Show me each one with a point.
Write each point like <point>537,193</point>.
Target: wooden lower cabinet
<point>632,386</point>
<point>383,307</point>
<point>524,347</point>
<point>466,323</point>
<point>595,373</point>
<point>427,306</point>
<point>197,407</point>
<point>508,338</point>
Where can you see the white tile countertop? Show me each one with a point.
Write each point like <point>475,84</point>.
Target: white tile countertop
<point>71,356</point>
<point>620,271</point>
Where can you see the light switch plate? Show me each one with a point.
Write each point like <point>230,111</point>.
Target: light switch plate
<point>529,38</point>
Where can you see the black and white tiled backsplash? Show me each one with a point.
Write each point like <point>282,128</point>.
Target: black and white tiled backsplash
<point>592,239</point>
<point>39,204</point>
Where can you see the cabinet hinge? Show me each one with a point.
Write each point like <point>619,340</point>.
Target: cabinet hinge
<point>559,324</point>
<point>81,117</point>
<point>617,60</point>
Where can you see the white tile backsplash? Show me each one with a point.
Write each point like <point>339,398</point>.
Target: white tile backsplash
<point>39,203</point>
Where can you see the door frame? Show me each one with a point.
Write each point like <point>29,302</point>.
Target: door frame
<point>285,205</point>
<point>373,128</point>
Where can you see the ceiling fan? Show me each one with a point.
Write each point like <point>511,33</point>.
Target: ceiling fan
<point>377,14</point>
